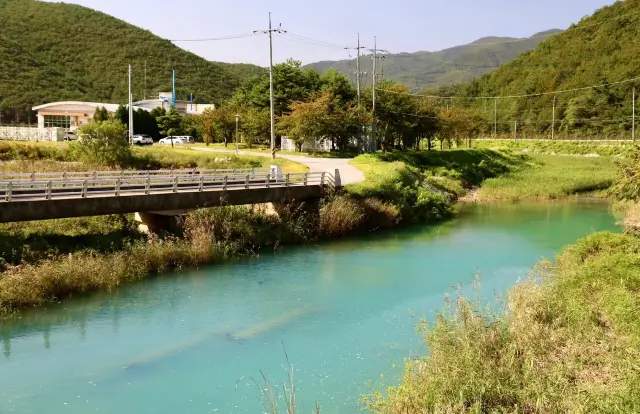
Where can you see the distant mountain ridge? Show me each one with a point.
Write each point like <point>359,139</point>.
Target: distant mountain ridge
<point>419,70</point>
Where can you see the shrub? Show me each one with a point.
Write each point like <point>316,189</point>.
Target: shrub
<point>103,143</point>
<point>341,216</point>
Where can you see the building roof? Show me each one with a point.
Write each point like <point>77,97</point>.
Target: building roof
<point>53,105</point>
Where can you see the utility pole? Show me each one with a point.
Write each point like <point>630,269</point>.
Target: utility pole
<point>358,74</point>
<point>553,120</point>
<point>130,109</point>
<point>270,32</point>
<point>237,119</point>
<point>495,118</point>
<point>145,81</point>
<point>374,142</point>
<point>633,117</point>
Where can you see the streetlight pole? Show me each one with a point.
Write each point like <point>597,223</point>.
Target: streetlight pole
<point>237,119</point>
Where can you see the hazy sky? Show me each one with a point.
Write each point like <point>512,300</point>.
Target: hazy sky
<point>400,25</point>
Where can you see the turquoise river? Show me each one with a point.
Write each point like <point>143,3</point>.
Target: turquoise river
<point>344,311</point>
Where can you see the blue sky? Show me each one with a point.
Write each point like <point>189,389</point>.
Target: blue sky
<point>400,25</point>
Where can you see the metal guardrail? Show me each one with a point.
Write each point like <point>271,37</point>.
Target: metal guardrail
<point>150,183</point>
<point>97,175</point>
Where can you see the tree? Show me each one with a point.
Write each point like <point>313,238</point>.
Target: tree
<point>103,143</point>
<point>291,84</point>
<point>458,124</point>
<point>170,124</point>
<point>306,121</point>
<point>101,114</point>
<point>255,125</point>
<point>218,124</point>
<point>192,126</point>
<point>396,114</point>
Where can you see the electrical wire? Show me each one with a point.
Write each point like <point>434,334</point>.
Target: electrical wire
<point>532,95</point>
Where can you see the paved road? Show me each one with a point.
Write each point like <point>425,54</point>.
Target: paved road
<point>348,173</point>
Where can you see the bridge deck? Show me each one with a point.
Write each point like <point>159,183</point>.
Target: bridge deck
<point>36,199</point>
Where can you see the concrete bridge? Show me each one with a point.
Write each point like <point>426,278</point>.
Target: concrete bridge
<point>153,195</point>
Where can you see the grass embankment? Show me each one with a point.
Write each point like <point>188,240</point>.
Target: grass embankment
<point>106,252</point>
<point>569,342</point>
<point>566,340</point>
<point>551,177</point>
<point>47,157</point>
<point>603,148</point>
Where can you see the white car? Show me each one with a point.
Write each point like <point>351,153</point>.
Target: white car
<point>176,140</point>
<point>142,139</point>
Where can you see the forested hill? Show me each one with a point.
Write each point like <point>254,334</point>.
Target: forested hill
<point>601,49</point>
<point>458,64</point>
<point>56,51</point>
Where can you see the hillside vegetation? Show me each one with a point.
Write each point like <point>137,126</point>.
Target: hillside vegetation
<point>454,65</point>
<point>600,49</point>
<point>57,51</point>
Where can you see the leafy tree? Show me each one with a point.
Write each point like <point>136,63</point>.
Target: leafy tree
<point>192,126</point>
<point>291,84</point>
<point>255,125</point>
<point>103,143</point>
<point>101,114</point>
<point>307,121</point>
<point>459,124</point>
<point>219,125</point>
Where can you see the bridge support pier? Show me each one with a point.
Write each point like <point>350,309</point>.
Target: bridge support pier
<point>159,221</point>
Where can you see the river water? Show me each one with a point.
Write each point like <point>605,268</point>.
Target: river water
<point>344,311</point>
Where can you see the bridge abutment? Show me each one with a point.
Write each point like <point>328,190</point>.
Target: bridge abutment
<point>160,221</point>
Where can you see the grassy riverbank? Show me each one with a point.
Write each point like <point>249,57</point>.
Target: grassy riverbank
<point>566,340</point>
<point>602,148</point>
<point>551,177</point>
<point>568,344</point>
<point>51,261</point>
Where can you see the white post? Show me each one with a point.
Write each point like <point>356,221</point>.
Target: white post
<point>130,110</point>
<point>515,131</point>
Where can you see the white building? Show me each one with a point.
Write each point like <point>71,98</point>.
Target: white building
<point>70,114</point>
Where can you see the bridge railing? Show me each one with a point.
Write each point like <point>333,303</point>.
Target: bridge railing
<point>96,175</point>
<point>34,190</point>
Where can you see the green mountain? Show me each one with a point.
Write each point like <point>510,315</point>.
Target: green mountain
<point>431,69</point>
<point>57,51</point>
<point>601,49</point>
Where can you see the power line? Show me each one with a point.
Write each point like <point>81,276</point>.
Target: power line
<point>302,39</point>
<point>212,39</point>
<point>533,95</point>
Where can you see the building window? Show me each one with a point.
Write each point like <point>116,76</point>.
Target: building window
<point>57,121</point>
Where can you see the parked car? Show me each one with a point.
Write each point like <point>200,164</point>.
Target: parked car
<point>176,140</point>
<point>142,139</point>
<point>70,136</point>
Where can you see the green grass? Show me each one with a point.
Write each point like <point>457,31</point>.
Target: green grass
<point>46,157</point>
<point>559,147</point>
<point>452,171</point>
<point>267,150</point>
<point>567,340</point>
<point>550,177</point>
